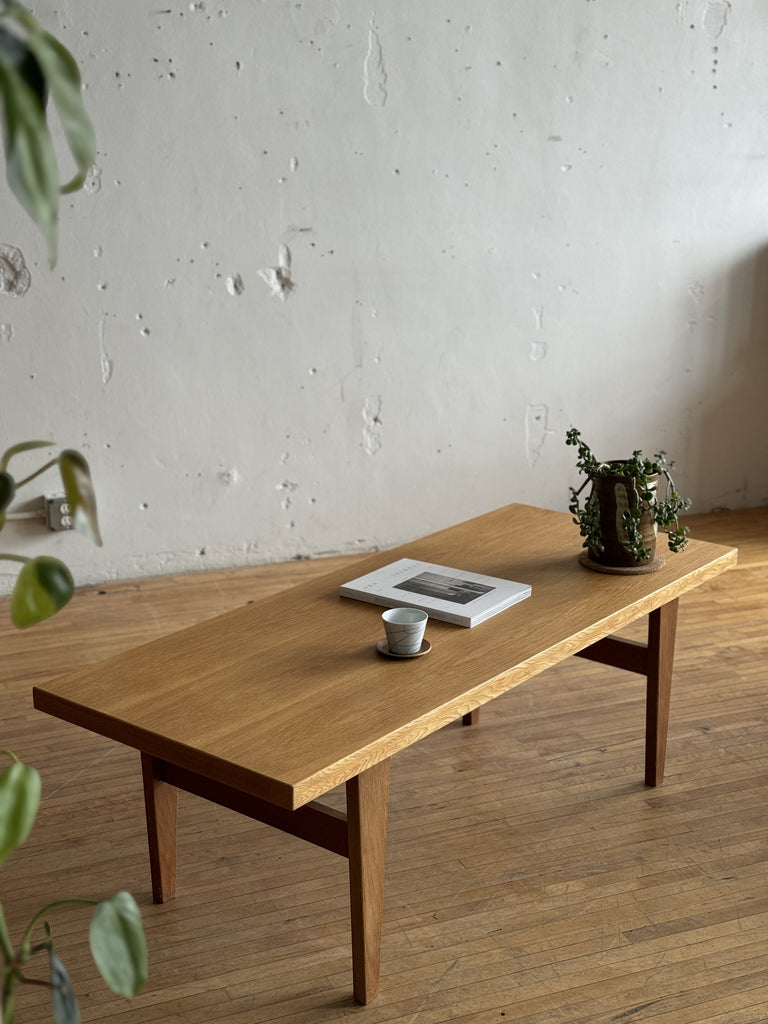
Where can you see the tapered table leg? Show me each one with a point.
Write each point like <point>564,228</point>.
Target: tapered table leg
<point>662,626</point>
<point>160,804</point>
<point>367,805</point>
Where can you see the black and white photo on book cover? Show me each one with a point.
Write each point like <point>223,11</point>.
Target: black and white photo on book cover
<point>453,595</point>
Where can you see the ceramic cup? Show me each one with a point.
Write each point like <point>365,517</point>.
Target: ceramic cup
<point>405,629</point>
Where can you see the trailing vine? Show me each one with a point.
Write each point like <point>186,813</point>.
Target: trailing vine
<point>645,476</point>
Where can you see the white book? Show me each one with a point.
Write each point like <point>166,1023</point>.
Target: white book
<point>453,595</point>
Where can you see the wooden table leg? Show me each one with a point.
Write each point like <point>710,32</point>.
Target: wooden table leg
<point>160,804</point>
<point>662,625</point>
<point>367,806</point>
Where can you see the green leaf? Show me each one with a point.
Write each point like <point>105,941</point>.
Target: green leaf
<point>63,1001</point>
<point>118,946</point>
<point>63,80</point>
<point>76,477</point>
<point>23,446</point>
<point>42,588</point>
<point>30,161</point>
<point>19,801</point>
<point>7,491</point>
<point>16,54</point>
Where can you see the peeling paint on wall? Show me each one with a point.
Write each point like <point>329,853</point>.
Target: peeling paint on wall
<point>106,363</point>
<point>372,424</point>
<point>228,477</point>
<point>374,72</point>
<point>716,17</point>
<point>682,10</point>
<point>15,277</point>
<point>539,349</point>
<point>279,278</point>
<point>6,332</point>
<point>536,431</point>
<point>235,285</point>
<point>287,487</point>
<point>696,291</point>
<point>92,183</point>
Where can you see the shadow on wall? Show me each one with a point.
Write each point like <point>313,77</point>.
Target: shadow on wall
<point>731,416</point>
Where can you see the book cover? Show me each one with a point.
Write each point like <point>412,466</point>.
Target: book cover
<point>453,595</point>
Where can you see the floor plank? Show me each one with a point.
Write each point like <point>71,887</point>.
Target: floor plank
<point>531,875</point>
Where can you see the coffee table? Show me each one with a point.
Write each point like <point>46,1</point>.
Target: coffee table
<point>268,707</point>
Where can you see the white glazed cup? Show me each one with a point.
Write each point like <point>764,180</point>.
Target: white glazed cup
<point>405,629</point>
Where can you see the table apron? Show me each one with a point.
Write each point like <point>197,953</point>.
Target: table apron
<point>323,826</point>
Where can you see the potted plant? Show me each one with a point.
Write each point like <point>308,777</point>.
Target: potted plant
<point>628,501</point>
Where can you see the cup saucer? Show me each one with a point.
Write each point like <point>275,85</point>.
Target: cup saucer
<point>383,648</point>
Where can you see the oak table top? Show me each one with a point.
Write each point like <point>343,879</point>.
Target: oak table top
<point>287,697</point>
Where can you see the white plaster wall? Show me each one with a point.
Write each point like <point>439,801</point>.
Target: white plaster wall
<point>343,276</point>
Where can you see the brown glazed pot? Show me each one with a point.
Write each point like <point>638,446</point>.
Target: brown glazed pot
<point>612,493</point>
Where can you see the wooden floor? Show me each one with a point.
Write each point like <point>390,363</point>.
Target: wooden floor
<point>531,876</point>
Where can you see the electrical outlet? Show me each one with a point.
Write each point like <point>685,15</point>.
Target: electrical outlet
<point>58,513</point>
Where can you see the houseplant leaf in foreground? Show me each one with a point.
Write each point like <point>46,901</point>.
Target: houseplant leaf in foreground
<point>34,64</point>
<point>19,801</point>
<point>76,477</point>
<point>42,588</point>
<point>118,946</point>
<point>31,167</point>
<point>63,1002</point>
<point>7,491</point>
<point>62,78</point>
<point>17,449</point>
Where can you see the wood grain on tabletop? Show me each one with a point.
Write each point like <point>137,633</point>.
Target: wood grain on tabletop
<point>282,669</point>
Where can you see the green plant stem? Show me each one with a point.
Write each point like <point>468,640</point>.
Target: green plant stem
<point>10,971</point>
<point>5,557</point>
<point>74,901</point>
<point>9,998</point>
<point>22,446</point>
<point>5,939</point>
<point>40,982</point>
<point>37,472</point>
